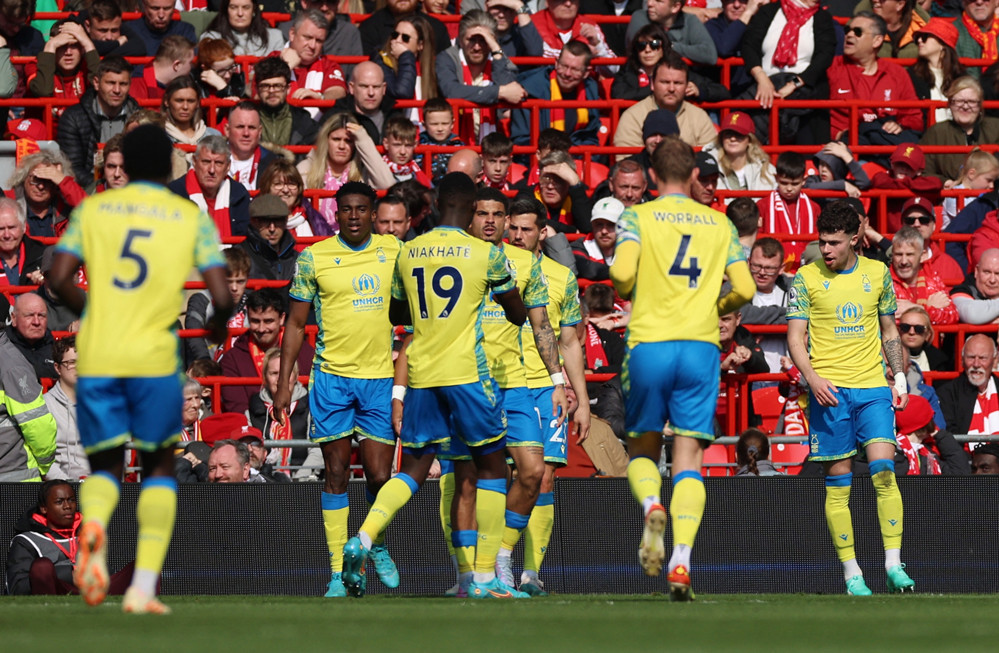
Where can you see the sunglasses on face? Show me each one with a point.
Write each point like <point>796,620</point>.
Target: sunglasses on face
<point>921,219</point>
<point>907,328</point>
<point>654,44</point>
<point>856,31</point>
<point>399,35</point>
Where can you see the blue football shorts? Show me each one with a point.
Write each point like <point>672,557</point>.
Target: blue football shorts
<point>862,416</point>
<point>146,410</point>
<point>342,406</point>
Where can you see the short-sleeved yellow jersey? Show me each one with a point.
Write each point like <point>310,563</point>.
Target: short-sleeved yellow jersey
<point>503,338</point>
<point>685,248</point>
<point>139,244</point>
<point>843,310</point>
<point>350,289</point>
<point>563,312</point>
<point>447,276</point>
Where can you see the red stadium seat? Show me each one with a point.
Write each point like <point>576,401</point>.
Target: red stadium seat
<point>769,406</point>
<point>720,457</point>
<point>788,456</point>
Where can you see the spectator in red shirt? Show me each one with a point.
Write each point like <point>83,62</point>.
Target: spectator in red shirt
<point>915,285</point>
<point>313,76</point>
<point>62,68</point>
<point>859,75</point>
<point>174,58</point>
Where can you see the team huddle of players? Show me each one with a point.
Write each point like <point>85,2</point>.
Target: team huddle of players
<point>480,379</point>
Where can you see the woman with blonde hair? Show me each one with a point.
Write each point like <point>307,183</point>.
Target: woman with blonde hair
<point>343,152</point>
<point>742,163</point>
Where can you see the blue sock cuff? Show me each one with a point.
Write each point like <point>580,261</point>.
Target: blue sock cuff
<point>166,482</point>
<point>110,477</point>
<point>691,474</point>
<point>839,480</point>
<point>492,484</point>
<point>369,496</point>
<point>408,480</point>
<point>881,465</point>
<point>546,499</point>
<point>332,501</point>
<point>464,538</point>
<point>516,520</point>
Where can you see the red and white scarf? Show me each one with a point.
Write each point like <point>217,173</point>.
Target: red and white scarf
<point>797,15</point>
<point>407,171</point>
<point>912,450</point>
<point>237,321</point>
<point>279,431</point>
<point>476,124</point>
<point>596,357</point>
<point>191,5</point>
<point>558,115</point>
<point>249,179</point>
<point>780,221</point>
<point>985,418</point>
<point>985,39</point>
<point>220,211</point>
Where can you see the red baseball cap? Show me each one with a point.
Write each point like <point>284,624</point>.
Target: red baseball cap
<point>917,414</point>
<point>738,122</point>
<point>28,128</point>
<point>221,426</point>
<point>918,204</point>
<point>910,154</point>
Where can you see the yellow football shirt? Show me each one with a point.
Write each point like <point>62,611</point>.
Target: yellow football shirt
<point>447,275</point>
<point>843,311</point>
<point>350,289</point>
<point>502,337</point>
<point>139,244</point>
<point>563,311</point>
<point>685,248</point>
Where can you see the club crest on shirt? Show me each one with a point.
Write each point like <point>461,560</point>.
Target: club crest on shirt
<point>867,283</point>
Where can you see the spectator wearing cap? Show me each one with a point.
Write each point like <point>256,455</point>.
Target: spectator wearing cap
<point>229,462</point>
<point>568,79</point>
<point>669,90</point>
<point>937,65</point>
<point>259,464</point>
<point>833,163</point>
<point>967,127</point>
<point>595,253</point>
<point>192,465</point>
<point>928,450</point>
<point>705,186</point>
<point>977,299</point>
<point>985,459</point>
<point>658,124</point>
<point>742,163</point>
<point>907,166</point>
<point>27,128</point>
<point>915,285</point>
<point>269,244</point>
<point>626,182</point>
<point>295,424</point>
<point>859,75</point>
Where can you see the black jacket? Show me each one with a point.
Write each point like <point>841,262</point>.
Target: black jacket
<point>80,130</point>
<point>376,29</point>
<point>957,401</point>
<point>35,539</point>
<point>39,354</point>
<point>824,33</point>
<point>33,251</point>
<point>346,104</point>
<point>268,263</point>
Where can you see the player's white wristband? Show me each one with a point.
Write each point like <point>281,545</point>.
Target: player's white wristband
<point>901,385</point>
<point>558,379</point>
<point>399,392</point>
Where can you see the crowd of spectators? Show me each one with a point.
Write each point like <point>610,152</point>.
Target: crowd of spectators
<point>269,119</point>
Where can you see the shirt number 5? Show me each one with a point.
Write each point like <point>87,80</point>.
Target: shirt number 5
<point>128,253</point>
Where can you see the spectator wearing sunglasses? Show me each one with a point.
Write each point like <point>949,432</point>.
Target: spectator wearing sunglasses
<point>916,331</point>
<point>915,285</point>
<point>918,212</point>
<point>688,35</point>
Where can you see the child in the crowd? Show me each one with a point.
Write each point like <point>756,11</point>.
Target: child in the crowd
<point>978,172</point>
<point>752,454</point>
<point>833,163</point>
<point>399,142</point>
<point>787,210</point>
<point>438,129</point>
<point>498,168</point>
<point>745,215</point>
<point>907,166</point>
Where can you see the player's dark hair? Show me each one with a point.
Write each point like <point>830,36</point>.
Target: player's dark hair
<point>61,346</point>
<point>554,139</point>
<point>753,446</point>
<point>838,216</point>
<point>148,154</point>
<point>265,298</point>
<point>769,247</point>
<point>791,165</point>
<point>356,188</point>
<point>745,215</point>
<point>530,205</point>
<point>490,194</point>
<point>673,160</point>
<point>46,489</point>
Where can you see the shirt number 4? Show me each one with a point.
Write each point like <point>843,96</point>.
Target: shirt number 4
<point>678,269</point>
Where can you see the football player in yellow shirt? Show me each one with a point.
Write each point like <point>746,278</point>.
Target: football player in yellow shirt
<point>139,244</point>
<point>348,279</point>
<point>841,313</point>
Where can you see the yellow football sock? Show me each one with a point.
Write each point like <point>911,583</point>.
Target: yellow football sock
<point>644,479</point>
<point>889,507</point>
<point>539,531</point>
<point>515,523</point>
<point>447,496</point>
<point>155,512</point>
<point>335,511</point>
<point>99,497</point>
<point>380,540</point>
<point>463,543</point>
<point>686,507</point>
<point>838,515</point>
<point>490,508</point>
<point>391,498</point>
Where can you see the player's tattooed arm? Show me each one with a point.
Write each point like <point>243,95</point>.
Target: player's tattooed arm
<point>544,338</point>
<point>893,352</point>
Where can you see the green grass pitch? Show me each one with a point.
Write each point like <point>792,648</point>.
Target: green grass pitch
<point>572,623</point>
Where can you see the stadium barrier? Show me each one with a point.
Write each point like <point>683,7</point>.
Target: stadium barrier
<point>758,535</point>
